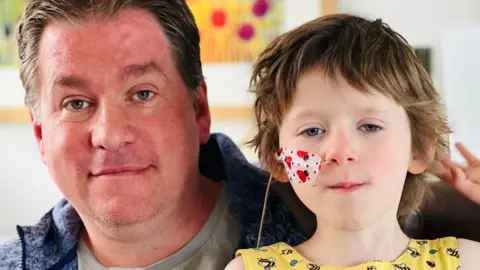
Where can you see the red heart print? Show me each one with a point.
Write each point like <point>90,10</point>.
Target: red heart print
<point>302,154</point>
<point>288,160</point>
<point>302,175</point>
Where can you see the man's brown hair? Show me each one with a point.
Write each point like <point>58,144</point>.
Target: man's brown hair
<point>174,17</point>
<point>367,54</point>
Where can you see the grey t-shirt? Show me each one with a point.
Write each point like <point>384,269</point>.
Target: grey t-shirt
<point>211,249</point>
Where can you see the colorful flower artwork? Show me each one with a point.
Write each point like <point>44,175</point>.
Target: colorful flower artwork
<point>230,30</point>
<point>236,30</point>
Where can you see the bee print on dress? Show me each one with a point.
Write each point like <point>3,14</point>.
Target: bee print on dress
<point>401,267</point>
<point>371,268</point>
<point>431,263</point>
<point>294,262</point>
<point>313,266</point>
<point>453,252</point>
<point>267,264</point>
<point>422,242</point>
<point>413,252</point>
<point>286,251</point>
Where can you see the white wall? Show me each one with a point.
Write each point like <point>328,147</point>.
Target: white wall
<point>26,191</point>
<point>461,56</point>
<point>421,22</point>
<point>11,90</point>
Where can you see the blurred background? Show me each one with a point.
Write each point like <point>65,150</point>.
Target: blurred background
<point>444,33</point>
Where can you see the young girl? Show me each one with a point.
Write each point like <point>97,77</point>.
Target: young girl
<point>348,115</point>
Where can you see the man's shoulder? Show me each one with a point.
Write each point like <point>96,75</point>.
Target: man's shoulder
<point>11,254</point>
<point>43,244</point>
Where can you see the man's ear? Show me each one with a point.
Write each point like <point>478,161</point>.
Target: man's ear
<point>202,113</point>
<point>420,164</point>
<point>37,132</point>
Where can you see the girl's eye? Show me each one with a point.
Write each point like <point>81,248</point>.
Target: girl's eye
<point>77,104</point>
<point>312,132</point>
<point>370,128</point>
<point>143,95</point>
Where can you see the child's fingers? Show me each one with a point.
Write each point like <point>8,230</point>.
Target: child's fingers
<point>473,174</point>
<point>444,170</point>
<point>445,176</point>
<point>471,159</point>
<point>449,164</point>
<point>468,188</point>
<point>458,175</point>
<point>458,179</point>
<point>452,172</point>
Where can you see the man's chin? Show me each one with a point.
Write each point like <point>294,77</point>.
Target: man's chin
<point>123,212</point>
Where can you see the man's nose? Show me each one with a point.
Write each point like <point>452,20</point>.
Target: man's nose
<point>112,129</point>
<point>339,150</point>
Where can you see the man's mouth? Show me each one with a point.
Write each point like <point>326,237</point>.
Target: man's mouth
<point>119,171</point>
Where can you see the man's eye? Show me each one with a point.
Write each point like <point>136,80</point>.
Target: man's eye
<point>370,128</point>
<point>143,95</point>
<point>78,104</point>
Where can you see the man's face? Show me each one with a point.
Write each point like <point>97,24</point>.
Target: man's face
<point>117,130</point>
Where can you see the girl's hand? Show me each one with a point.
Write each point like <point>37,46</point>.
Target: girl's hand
<point>466,179</point>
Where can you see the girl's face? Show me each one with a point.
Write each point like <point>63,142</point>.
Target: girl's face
<point>365,140</point>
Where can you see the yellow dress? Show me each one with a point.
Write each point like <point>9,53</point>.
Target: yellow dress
<point>439,254</point>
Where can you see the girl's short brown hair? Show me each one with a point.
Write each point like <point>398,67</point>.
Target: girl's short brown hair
<point>367,54</point>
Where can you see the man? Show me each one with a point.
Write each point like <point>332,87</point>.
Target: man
<point>119,109</point>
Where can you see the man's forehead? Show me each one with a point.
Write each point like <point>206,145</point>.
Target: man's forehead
<point>71,79</point>
<point>127,27</point>
<point>110,41</point>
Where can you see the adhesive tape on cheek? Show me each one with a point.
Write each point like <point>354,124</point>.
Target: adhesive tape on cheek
<point>301,166</point>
